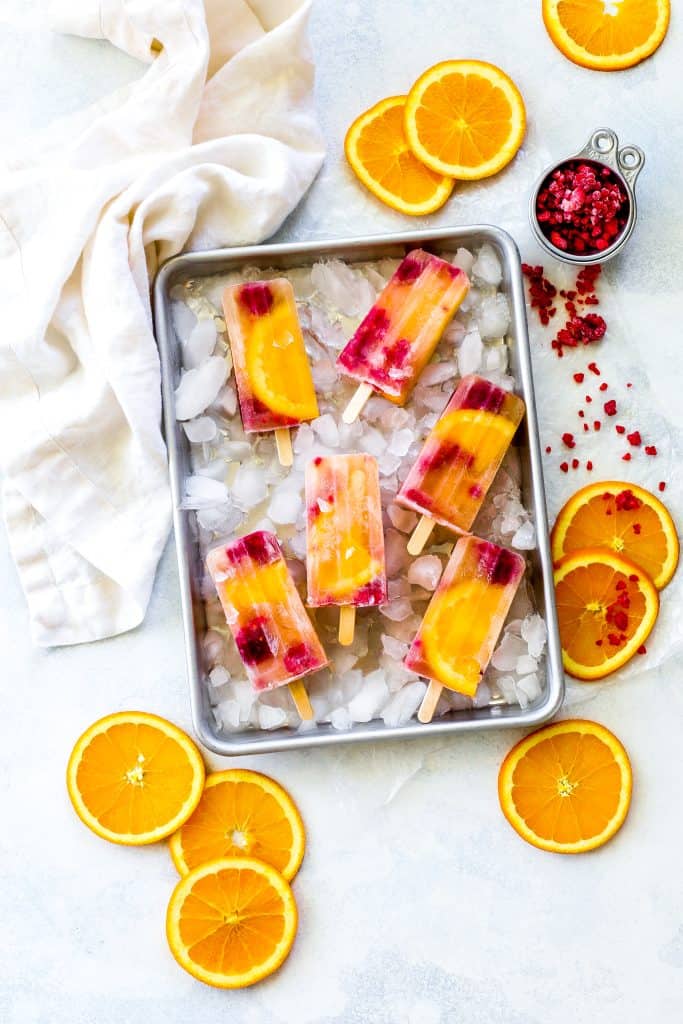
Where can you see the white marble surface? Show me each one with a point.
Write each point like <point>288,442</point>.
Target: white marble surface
<point>418,903</point>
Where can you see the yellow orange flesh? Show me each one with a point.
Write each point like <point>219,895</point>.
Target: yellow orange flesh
<point>241,813</point>
<point>378,152</point>
<point>134,778</point>
<point>231,922</point>
<point>606,35</point>
<point>606,608</point>
<point>465,118</point>
<point>600,515</point>
<point>277,364</point>
<point>567,787</point>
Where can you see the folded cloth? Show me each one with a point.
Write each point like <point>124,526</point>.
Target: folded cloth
<point>214,145</point>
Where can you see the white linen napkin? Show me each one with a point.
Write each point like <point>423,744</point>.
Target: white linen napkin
<point>214,145</point>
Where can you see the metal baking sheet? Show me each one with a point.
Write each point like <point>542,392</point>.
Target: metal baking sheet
<point>282,257</point>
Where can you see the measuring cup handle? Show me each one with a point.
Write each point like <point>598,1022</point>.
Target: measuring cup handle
<point>603,145</point>
<point>630,160</point>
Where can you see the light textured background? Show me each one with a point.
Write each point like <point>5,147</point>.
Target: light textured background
<point>418,903</point>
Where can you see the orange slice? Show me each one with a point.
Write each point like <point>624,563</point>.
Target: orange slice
<point>454,630</point>
<point>624,518</point>
<point>606,608</point>
<point>377,149</point>
<point>277,365</point>
<point>134,778</point>
<point>606,34</point>
<point>465,118</point>
<point>231,922</point>
<point>242,813</point>
<point>567,787</point>
<point>485,434</point>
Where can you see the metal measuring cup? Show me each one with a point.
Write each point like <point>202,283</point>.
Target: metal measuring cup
<point>625,164</point>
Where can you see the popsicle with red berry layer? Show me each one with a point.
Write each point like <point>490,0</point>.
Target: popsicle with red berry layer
<point>461,456</point>
<point>274,382</point>
<point>273,634</point>
<point>345,540</point>
<point>398,336</point>
<point>464,618</point>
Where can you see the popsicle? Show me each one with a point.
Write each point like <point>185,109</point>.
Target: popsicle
<point>462,623</point>
<point>461,456</point>
<point>398,336</point>
<point>273,634</point>
<point>344,537</point>
<point>274,382</point>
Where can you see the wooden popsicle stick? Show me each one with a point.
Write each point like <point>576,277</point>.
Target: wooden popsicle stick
<point>420,535</point>
<point>283,441</point>
<point>300,698</point>
<point>355,406</point>
<point>429,702</point>
<point>347,624</point>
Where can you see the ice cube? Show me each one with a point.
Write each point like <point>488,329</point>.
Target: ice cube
<point>226,401</point>
<point>534,631</point>
<point>200,430</point>
<point>482,697</point>
<point>402,518</point>
<point>198,388</point>
<point>493,316</point>
<point>344,288</point>
<point>528,689</point>
<point>487,265</point>
<point>524,538</point>
<point>425,572</point>
<point>438,373</point>
<point>326,429</point>
<point>249,487</point>
<point>507,653</point>
<point>372,442</point>
<point>271,718</point>
<point>370,698</point>
<point>221,519</point>
<point>463,259</point>
<point>285,504</point>
<point>341,719</point>
<point>203,492</point>
<point>388,463</point>
<point>228,713</point>
<point>404,704</point>
<point>397,610</point>
<point>454,333</point>
<point>396,649</point>
<point>304,439</point>
<point>184,320</point>
<point>401,442</point>
<point>507,687</point>
<point>525,665</point>
<point>199,344</point>
<point>324,374</point>
<point>470,352</point>
<point>395,552</point>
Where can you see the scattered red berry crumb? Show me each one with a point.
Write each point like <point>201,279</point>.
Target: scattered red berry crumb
<point>578,377</point>
<point>619,429</point>
<point>635,439</point>
<point>548,449</point>
<point>586,427</point>
<point>610,407</point>
<point>581,413</point>
<point>661,485</point>
<point>589,465</point>
<point>637,528</point>
<point>564,466</point>
<point>568,439</point>
<point>629,385</point>
<point>541,292</point>
<point>588,398</point>
<point>593,367</point>
<point>626,457</point>
<point>596,424</point>
<point>604,386</point>
<point>650,449</point>
<point>642,649</point>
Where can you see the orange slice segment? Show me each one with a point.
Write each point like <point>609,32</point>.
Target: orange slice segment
<point>278,367</point>
<point>377,149</point>
<point>606,608</point>
<point>624,518</point>
<point>241,813</point>
<point>485,434</point>
<point>134,778</point>
<point>606,34</point>
<point>455,630</point>
<point>567,787</point>
<point>231,922</point>
<point>465,118</point>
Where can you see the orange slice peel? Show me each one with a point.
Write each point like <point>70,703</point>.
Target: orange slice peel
<point>625,519</point>
<point>607,36</point>
<point>134,778</point>
<point>379,154</point>
<point>465,118</point>
<point>606,608</point>
<point>566,788</point>
<point>231,922</point>
<point>242,813</point>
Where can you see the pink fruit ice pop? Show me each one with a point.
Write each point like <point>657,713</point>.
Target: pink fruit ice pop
<point>461,456</point>
<point>398,336</point>
<point>464,618</point>
<point>345,540</point>
<point>272,632</point>
<point>274,382</point>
